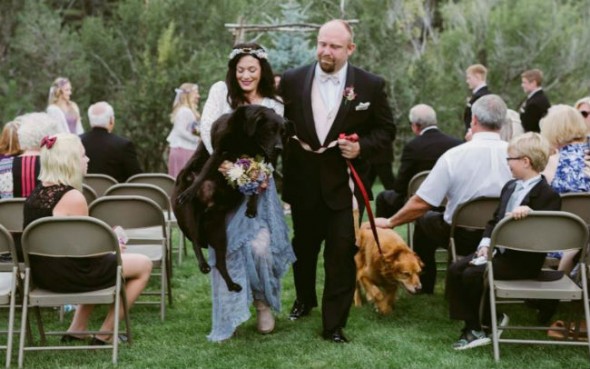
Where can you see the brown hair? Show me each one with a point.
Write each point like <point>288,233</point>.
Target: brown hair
<point>533,75</point>
<point>9,144</point>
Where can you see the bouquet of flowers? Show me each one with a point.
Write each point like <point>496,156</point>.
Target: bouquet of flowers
<point>195,129</point>
<point>249,175</point>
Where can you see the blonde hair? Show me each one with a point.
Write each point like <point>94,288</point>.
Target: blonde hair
<point>479,70</point>
<point>55,91</point>
<point>61,163</point>
<point>563,125</point>
<point>533,146</point>
<point>584,100</point>
<point>183,99</point>
<point>533,75</point>
<point>9,144</point>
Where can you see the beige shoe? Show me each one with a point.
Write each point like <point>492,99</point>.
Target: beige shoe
<point>265,321</point>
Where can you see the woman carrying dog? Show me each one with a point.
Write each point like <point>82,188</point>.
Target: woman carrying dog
<point>259,252</point>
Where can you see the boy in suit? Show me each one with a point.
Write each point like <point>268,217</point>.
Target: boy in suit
<point>475,76</point>
<point>527,157</point>
<point>536,104</point>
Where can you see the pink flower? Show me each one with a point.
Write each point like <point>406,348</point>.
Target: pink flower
<point>349,94</point>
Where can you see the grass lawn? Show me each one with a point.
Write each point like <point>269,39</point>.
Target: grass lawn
<point>418,334</point>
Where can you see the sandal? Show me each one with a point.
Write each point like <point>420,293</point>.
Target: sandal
<point>558,331</point>
<point>578,331</point>
<point>69,338</point>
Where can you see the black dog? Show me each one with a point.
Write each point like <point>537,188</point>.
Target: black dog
<point>202,197</point>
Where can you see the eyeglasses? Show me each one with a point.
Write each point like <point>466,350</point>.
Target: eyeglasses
<point>514,158</point>
<point>585,113</point>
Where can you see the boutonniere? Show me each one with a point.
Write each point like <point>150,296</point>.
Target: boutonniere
<point>349,94</point>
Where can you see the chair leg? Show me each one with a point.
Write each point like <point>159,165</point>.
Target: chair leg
<point>23,328</point>
<point>40,325</point>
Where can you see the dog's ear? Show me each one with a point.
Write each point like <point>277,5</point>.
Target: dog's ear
<point>419,260</point>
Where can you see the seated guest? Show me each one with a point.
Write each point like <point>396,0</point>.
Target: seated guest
<point>19,174</point>
<point>566,131</point>
<point>9,145</point>
<point>63,165</point>
<point>418,155</point>
<point>473,169</point>
<point>513,126</point>
<point>108,153</point>
<point>527,156</point>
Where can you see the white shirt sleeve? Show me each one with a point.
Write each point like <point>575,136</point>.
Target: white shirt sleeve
<point>215,106</point>
<point>435,187</point>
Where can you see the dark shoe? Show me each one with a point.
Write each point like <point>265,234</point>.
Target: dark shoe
<point>98,342</point>
<point>299,310</point>
<point>69,338</point>
<point>470,339</point>
<point>336,336</point>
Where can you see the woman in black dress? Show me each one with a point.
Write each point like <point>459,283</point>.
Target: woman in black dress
<point>63,165</point>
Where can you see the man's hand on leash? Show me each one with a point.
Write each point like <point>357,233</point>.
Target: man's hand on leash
<point>349,146</point>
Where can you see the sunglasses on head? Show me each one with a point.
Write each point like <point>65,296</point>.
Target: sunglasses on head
<point>585,113</point>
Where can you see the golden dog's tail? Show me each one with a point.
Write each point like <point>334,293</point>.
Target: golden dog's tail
<point>357,224</point>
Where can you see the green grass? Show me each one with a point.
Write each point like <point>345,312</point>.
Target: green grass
<point>418,334</point>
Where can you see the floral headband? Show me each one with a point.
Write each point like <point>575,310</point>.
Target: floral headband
<point>259,53</point>
<point>48,141</point>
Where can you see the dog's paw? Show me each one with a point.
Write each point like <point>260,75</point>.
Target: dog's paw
<point>234,287</point>
<point>204,268</point>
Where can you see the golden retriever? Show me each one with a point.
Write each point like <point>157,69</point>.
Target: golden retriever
<point>379,275</point>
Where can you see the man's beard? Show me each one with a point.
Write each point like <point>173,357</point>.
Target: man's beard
<point>327,65</point>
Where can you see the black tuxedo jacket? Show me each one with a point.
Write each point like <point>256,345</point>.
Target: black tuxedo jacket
<point>533,109</point>
<point>541,197</point>
<point>420,154</point>
<point>310,177</point>
<point>467,112</point>
<point>110,154</point>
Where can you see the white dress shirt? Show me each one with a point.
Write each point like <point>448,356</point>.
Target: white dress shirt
<point>331,86</point>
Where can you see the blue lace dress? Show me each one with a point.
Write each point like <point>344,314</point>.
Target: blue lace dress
<point>259,254</point>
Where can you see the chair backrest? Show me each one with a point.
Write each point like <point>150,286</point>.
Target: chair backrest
<point>152,192</point>
<point>474,214</point>
<point>99,182</point>
<point>162,180</point>
<point>577,203</point>
<point>69,236</point>
<point>128,211</point>
<point>11,213</point>
<point>541,231</point>
<point>415,182</point>
<point>89,193</point>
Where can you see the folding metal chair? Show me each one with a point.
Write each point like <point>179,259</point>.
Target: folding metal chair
<point>99,182</point>
<point>413,186</point>
<point>76,237</point>
<point>8,282</point>
<point>166,183</point>
<point>144,223</point>
<point>471,215</point>
<point>89,193</point>
<point>540,231</point>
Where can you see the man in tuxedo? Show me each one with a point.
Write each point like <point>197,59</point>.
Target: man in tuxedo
<point>418,155</point>
<point>536,104</point>
<point>476,75</point>
<point>323,100</point>
<point>108,153</point>
<point>473,169</point>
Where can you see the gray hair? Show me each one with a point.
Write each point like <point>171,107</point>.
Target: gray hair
<point>423,115</point>
<point>100,114</point>
<point>490,111</point>
<point>33,127</point>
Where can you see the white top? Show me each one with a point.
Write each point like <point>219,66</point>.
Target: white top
<point>472,169</point>
<point>56,113</point>
<point>181,135</point>
<point>217,105</point>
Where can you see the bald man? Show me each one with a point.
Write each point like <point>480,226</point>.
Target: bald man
<point>108,153</point>
<point>323,100</point>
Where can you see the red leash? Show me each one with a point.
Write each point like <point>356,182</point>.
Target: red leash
<point>357,180</point>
